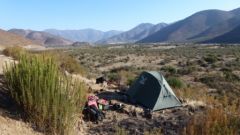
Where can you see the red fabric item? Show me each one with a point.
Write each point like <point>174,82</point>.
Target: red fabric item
<point>92,101</point>
<point>103,101</point>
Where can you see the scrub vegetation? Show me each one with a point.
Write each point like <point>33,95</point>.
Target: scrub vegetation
<point>205,78</point>
<point>201,74</point>
<point>50,101</point>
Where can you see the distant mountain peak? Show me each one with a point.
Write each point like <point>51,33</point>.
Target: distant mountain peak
<point>138,32</point>
<point>197,27</point>
<point>42,38</point>
<point>83,35</point>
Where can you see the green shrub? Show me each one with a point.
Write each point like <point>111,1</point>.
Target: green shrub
<point>231,77</point>
<point>187,70</point>
<point>50,101</point>
<point>169,69</point>
<point>210,59</point>
<point>175,82</point>
<point>113,77</point>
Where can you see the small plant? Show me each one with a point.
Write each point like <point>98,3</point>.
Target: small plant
<point>211,59</point>
<point>169,69</point>
<point>154,131</point>
<point>120,131</point>
<point>187,70</point>
<point>175,82</point>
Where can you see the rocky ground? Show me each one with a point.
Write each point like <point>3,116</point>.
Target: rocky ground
<point>132,119</point>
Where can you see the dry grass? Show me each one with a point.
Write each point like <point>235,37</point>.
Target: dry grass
<point>213,122</point>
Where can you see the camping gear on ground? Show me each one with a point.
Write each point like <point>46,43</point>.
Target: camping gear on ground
<point>152,91</point>
<point>117,106</point>
<point>92,109</point>
<point>94,114</point>
<point>103,104</point>
<point>92,101</point>
<point>100,80</point>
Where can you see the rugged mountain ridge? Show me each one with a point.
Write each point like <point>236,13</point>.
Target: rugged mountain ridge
<point>84,35</point>
<point>42,38</point>
<point>139,32</point>
<point>193,27</point>
<point>10,39</point>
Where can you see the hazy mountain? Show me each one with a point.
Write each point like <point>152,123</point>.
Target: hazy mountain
<point>10,39</point>
<point>137,33</point>
<point>42,38</point>
<point>194,27</point>
<point>229,37</point>
<point>84,35</point>
<point>217,30</point>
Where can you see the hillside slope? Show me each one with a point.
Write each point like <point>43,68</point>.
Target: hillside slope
<point>137,33</point>
<point>229,37</point>
<point>185,30</point>
<point>42,38</point>
<point>84,35</point>
<point>10,39</point>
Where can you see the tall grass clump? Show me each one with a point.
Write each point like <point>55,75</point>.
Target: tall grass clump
<point>214,122</point>
<point>50,101</point>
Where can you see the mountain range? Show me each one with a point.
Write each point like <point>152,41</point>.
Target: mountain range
<point>9,39</point>
<point>42,38</point>
<point>84,35</point>
<point>209,26</point>
<point>137,33</point>
<point>199,27</point>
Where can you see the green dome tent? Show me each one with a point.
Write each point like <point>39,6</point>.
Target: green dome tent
<point>152,91</point>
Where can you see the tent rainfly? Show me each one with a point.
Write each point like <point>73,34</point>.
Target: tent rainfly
<point>152,91</point>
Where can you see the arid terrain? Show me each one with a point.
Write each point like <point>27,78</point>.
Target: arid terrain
<point>208,75</point>
<point>205,78</point>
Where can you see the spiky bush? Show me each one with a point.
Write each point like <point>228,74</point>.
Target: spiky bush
<point>50,101</point>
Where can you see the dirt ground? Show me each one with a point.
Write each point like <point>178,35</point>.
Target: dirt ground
<point>132,119</point>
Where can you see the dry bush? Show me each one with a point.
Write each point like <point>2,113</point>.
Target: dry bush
<point>66,62</point>
<point>154,131</point>
<point>120,131</point>
<point>213,122</point>
<point>14,52</point>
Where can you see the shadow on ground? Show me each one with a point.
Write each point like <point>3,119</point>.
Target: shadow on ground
<point>8,108</point>
<point>109,95</point>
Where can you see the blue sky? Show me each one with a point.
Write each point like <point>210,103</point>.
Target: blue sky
<point>100,14</point>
